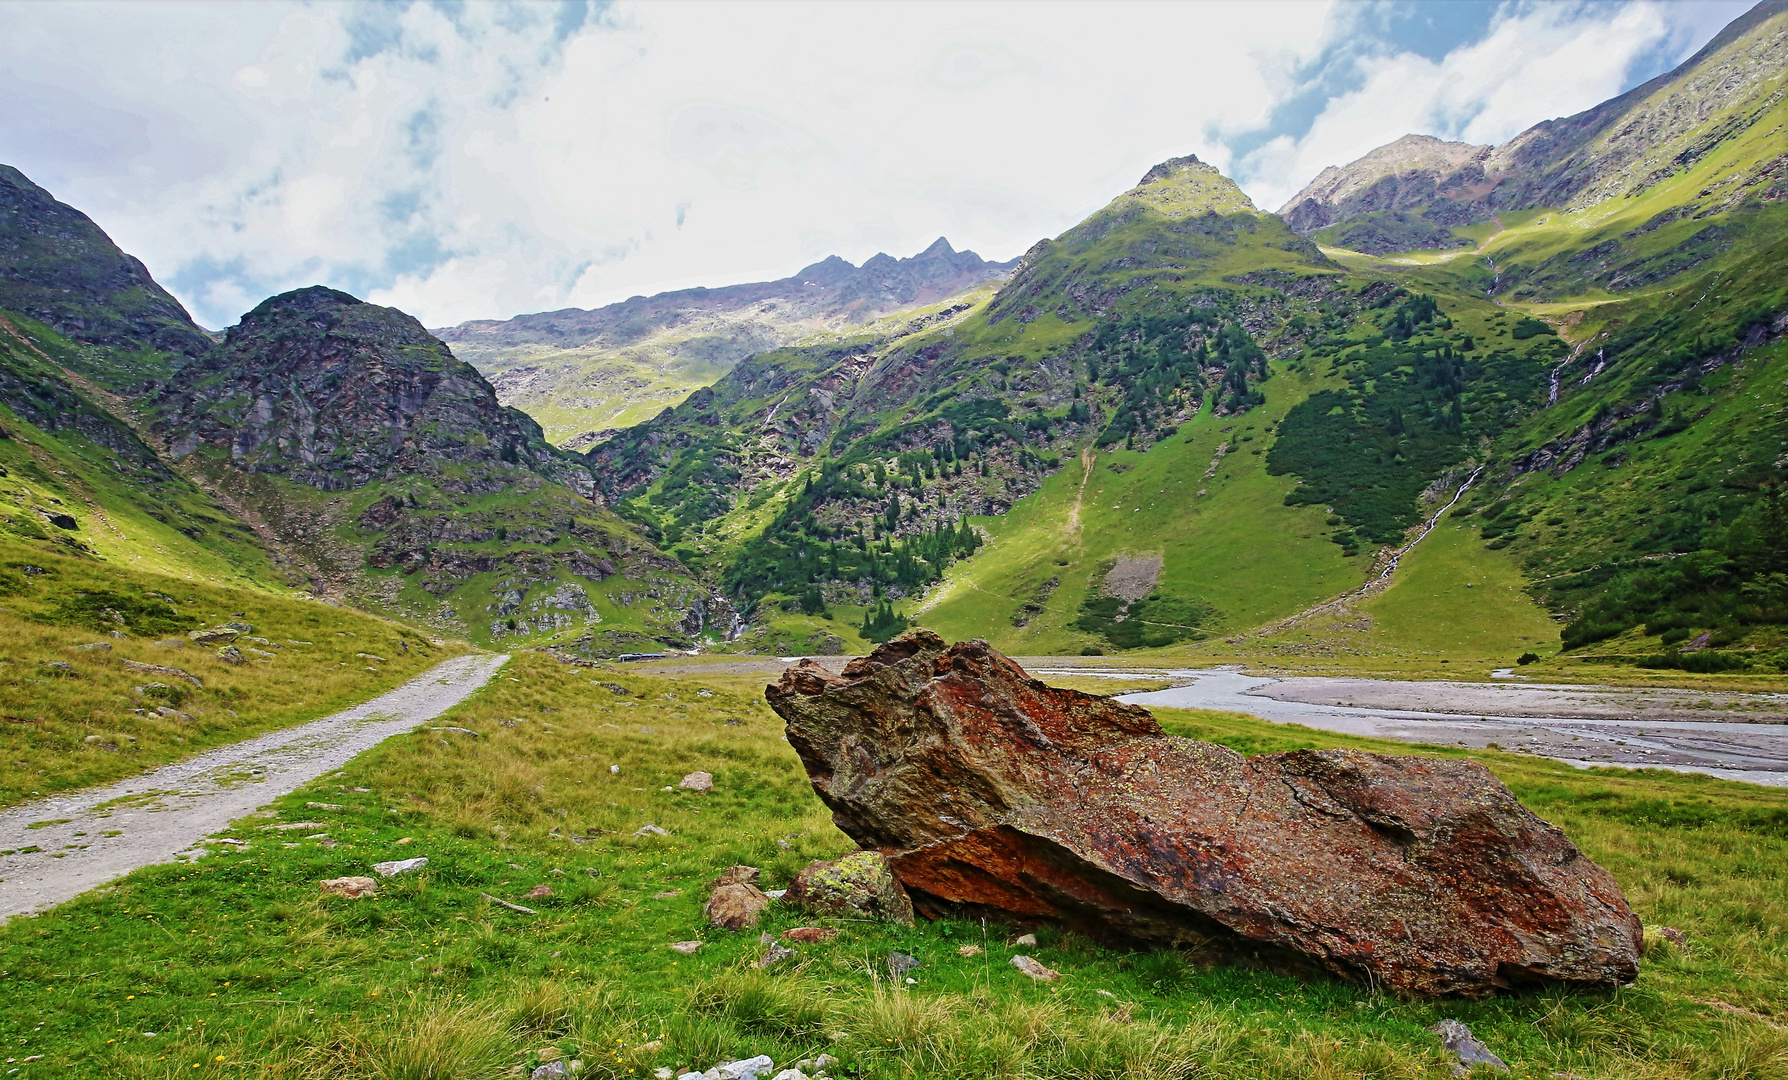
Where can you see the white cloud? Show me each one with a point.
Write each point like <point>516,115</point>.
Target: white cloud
<point>479,160</point>
<point>1535,63</point>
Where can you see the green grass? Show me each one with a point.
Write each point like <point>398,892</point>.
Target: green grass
<point>72,717</point>
<point>240,968</point>
<point>1211,544</point>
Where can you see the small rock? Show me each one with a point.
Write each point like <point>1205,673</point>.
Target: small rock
<point>1025,939</point>
<point>776,894</point>
<point>230,654</point>
<point>540,892</point>
<point>790,1074</point>
<point>668,894</point>
<point>969,950</point>
<point>736,902</point>
<point>1035,970</point>
<point>860,885</point>
<point>776,955</point>
<point>239,626</point>
<point>1674,936</point>
<point>220,635</point>
<point>748,1069</point>
<point>398,866</point>
<point>614,770</point>
<point>96,646</point>
<point>1458,1040</point>
<point>697,781</point>
<point>351,888</point>
<point>322,806</point>
<point>737,875</point>
<point>663,1072</point>
<point>650,830</point>
<point>809,935</point>
<point>900,963</point>
<point>549,1071</point>
<point>686,946</point>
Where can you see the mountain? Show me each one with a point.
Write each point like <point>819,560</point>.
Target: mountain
<point>1413,192</point>
<point>324,443</point>
<point>59,269</point>
<point>1400,196</point>
<point>584,373</point>
<point>396,479</point>
<point>840,477</point>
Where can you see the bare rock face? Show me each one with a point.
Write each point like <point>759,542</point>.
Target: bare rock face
<point>991,793</point>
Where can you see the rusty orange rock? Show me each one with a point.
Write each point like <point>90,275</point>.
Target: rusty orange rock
<point>994,794</point>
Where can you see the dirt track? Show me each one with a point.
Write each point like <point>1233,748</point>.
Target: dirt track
<point>62,846</point>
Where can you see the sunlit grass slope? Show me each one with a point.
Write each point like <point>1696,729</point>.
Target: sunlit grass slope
<point>74,712</point>
<point>65,453</point>
<point>238,967</point>
<point>1236,546</point>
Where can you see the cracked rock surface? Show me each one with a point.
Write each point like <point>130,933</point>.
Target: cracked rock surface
<point>992,793</point>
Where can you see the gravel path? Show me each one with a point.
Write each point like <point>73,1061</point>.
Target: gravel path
<point>58,848</point>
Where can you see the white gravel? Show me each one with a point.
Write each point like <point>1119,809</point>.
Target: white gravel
<point>104,833</point>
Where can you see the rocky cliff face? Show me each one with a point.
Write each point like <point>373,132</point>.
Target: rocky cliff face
<point>1421,184</point>
<point>59,268</point>
<point>324,389</point>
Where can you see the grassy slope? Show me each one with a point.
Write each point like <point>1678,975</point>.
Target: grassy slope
<point>1211,544</point>
<point>238,966</point>
<point>76,724</point>
<point>138,516</point>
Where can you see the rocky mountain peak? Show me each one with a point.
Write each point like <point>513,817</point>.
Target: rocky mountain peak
<point>1409,161</point>
<point>1185,185</point>
<point>328,390</point>
<point>58,267</point>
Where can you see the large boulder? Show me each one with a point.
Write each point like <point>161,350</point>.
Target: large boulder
<point>994,794</point>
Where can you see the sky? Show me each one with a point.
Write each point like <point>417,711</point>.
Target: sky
<point>466,160</point>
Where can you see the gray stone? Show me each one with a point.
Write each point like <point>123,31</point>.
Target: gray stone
<point>900,963</point>
<point>1459,1041</point>
<point>399,866</point>
<point>697,781</point>
<point>777,954</point>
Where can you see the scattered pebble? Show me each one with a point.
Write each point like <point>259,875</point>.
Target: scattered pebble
<point>900,963</point>
<point>1035,970</point>
<point>1025,939</point>
<point>399,866</point>
<point>650,830</point>
<point>540,892</point>
<point>969,950</point>
<point>697,781</point>
<point>686,946</point>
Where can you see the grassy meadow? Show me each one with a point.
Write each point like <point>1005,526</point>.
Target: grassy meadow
<point>74,716</point>
<point>236,966</point>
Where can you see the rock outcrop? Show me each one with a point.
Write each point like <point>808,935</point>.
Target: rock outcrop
<point>992,793</point>
<point>327,390</point>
